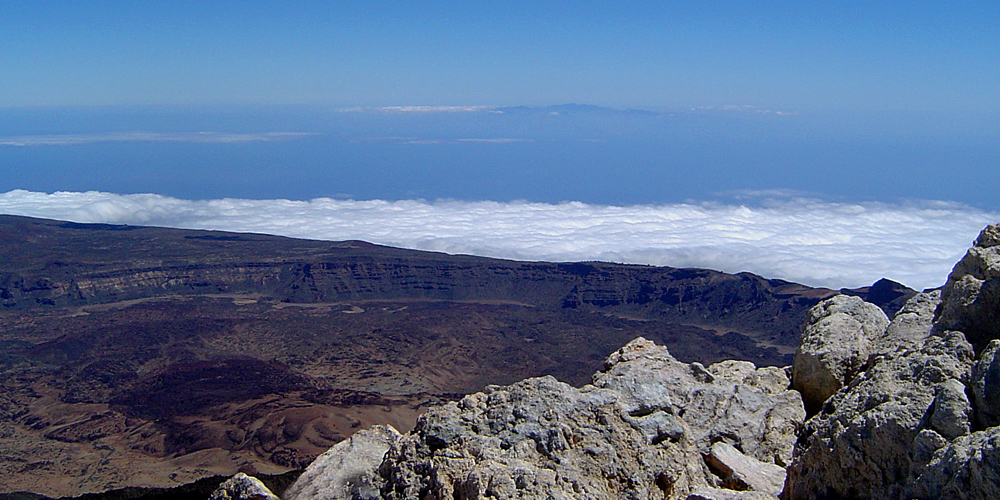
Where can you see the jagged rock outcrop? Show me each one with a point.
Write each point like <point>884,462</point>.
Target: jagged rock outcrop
<point>970,300</point>
<point>968,467</point>
<point>242,487</point>
<point>861,444</point>
<point>903,428</point>
<point>642,430</point>
<point>731,400</point>
<point>834,346</point>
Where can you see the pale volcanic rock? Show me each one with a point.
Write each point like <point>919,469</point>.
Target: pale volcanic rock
<point>348,470</point>
<point>834,346</point>
<point>951,412</point>
<point>752,407</point>
<point>725,494</point>
<point>970,300</point>
<point>967,468</point>
<point>862,444</point>
<point>911,324</point>
<point>740,472</point>
<point>639,432</point>
<point>242,487</point>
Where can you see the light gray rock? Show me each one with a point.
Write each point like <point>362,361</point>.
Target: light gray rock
<point>986,385</point>
<point>927,442</point>
<point>967,468</point>
<point>740,472</point>
<point>911,324</point>
<point>834,346</point>
<point>970,300</point>
<point>862,444</point>
<point>348,469</point>
<point>640,431</point>
<point>951,412</point>
<point>769,379</point>
<point>242,487</point>
<point>724,494</point>
<point>988,237</point>
<point>534,439</point>
<point>733,401</point>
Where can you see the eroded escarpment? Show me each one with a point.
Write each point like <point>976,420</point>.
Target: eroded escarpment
<point>51,263</point>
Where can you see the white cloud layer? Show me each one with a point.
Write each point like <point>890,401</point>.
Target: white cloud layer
<point>418,109</point>
<point>807,241</point>
<point>204,137</point>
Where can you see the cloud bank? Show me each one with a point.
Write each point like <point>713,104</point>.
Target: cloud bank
<point>807,241</point>
<point>203,137</point>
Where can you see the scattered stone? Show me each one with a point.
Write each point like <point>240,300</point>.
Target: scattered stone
<point>242,487</point>
<point>724,494</point>
<point>925,445</point>
<point>348,470</point>
<point>740,472</point>
<point>834,346</point>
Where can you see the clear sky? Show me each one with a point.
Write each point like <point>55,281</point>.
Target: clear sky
<point>797,56</point>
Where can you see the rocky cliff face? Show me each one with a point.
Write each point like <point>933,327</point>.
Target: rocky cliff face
<point>50,263</point>
<point>904,409</point>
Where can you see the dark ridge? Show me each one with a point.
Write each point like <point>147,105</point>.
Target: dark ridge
<point>198,490</point>
<point>98,227</point>
<point>889,295</point>
<point>212,237</point>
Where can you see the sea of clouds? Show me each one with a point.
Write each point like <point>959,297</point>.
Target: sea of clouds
<point>807,241</point>
<point>197,137</point>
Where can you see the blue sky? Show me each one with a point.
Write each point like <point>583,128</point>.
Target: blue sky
<point>797,56</point>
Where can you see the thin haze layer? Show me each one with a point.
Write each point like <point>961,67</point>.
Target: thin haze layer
<point>807,241</point>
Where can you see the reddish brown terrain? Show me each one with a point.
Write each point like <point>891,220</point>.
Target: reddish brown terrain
<point>136,356</point>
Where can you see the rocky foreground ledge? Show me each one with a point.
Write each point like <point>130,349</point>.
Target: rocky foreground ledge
<point>899,409</point>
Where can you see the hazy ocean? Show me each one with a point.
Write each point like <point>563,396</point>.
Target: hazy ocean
<point>831,200</point>
<point>560,153</point>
